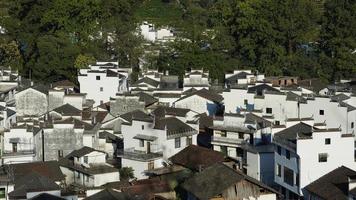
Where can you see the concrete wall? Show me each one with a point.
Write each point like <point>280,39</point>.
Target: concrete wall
<point>140,166</point>
<point>124,104</point>
<point>62,137</point>
<point>101,179</point>
<point>31,102</point>
<point>55,99</point>
<point>197,104</point>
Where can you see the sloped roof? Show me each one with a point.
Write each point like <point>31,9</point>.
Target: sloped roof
<point>146,80</point>
<point>172,125</point>
<point>212,181</point>
<point>339,97</point>
<point>300,130</point>
<point>294,97</point>
<point>32,182</point>
<point>262,87</point>
<point>204,93</point>
<point>48,169</point>
<point>136,115</point>
<point>46,196</point>
<point>215,179</point>
<point>64,84</point>
<point>109,194</point>
<point>241,75</point>
<point>161,111</point>
<point>68,110</point>
<point>195,157</point>
<point>333,185</point>
<point>82,152</point>
<point>146,98</point>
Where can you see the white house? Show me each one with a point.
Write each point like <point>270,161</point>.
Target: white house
<point>102,81</point>
<point>88,167</point>
<point>19,144</point>
<point>242,77</point>
<point>149,141</point>
<point>151,34</point>
<point>201,101</point>
<point>305,152</point>
<point>197,79</point>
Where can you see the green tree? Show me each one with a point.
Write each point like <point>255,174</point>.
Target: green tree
<point>51,34</point>
<point>338,33</point>
<point>83,61</point>
<point>126,173</point>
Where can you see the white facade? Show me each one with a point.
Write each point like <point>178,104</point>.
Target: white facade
<point>151,34</point>
<point>306,162</point>
<point>101,82</point>
<point>19,146</point>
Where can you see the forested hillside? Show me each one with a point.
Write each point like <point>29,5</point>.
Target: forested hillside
<point>306,38</point>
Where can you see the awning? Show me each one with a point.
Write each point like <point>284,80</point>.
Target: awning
<point>145,137</point>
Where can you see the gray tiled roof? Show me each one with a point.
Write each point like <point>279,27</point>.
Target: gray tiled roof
<point>333,185</point>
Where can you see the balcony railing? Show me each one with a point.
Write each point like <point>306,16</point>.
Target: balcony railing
<point>18,153</point>
<point>226,140</point>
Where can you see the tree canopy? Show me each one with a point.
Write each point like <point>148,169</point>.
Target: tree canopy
<point>49,40</point>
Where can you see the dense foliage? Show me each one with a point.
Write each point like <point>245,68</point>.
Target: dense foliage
<point>50,40</point>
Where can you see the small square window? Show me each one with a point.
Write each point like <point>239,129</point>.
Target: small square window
<point>327,141</point>
<point>269,110</point>
<point>323,157</point>
<point>97,77</point>
<point>321,112</point>
<point>101,89</point>
<point>287,154</point>
<point>245,102</point>
<point>142,143</point>
<point>277,123</point>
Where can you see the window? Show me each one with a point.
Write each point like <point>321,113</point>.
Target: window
<point>142,143</point>
<point>279,150</point>
<point>288,176</point>
<point>327,141</point>
<point>177,142</point>
<point>277,123</point>
<point>151,165</point>
<point>143,127</point>
<point>101,89</point>
<point>323,157</point>
<point>245,101</point>
<point>60,153</point>
<point>14,147</point>
<point>269,110</point>
<point>297,180</point>
<point>97,77</point>
<point>352,125</point>
<point>287,154</point>
<point>86,159</point>
<point>189,141</point>
<point>2,193</point>
<point>279,170</point>
<point>241,135</point>
<point>321,112</point>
